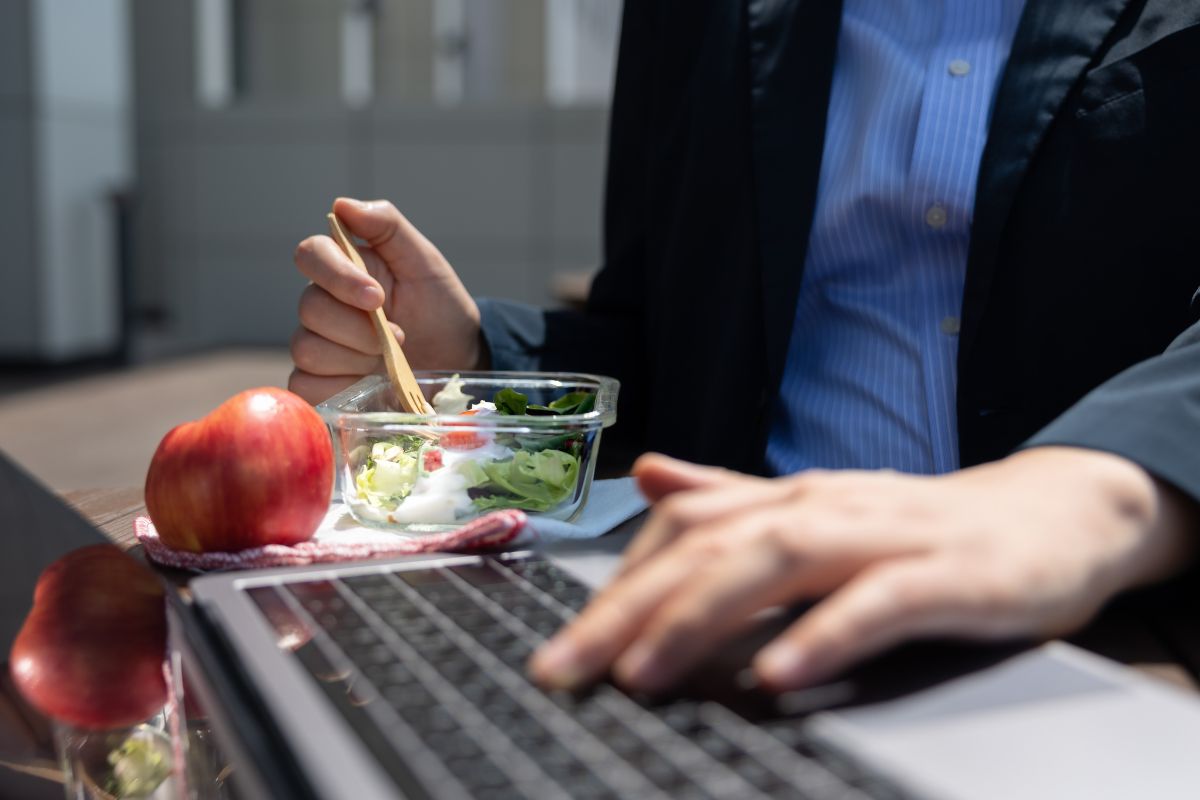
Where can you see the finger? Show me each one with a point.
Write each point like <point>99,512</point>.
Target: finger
<point>324,315</point>
<point>316,355</point>
<point>321,261</point>
<point>318,388</point>
<point>659,475</point>
<point>585,649</point>
<point>710,606</point>
<point>384,228</point>
<point>877,609</point>
<point>684,510</point>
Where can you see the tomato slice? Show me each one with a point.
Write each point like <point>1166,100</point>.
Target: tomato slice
<point>461,440</point>
<point>432,460</point>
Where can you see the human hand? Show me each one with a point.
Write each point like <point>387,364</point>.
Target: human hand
<point>434,317</point>
<point>1032,545</point>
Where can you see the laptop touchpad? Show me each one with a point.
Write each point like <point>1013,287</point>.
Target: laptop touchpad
<point>1046,724</point>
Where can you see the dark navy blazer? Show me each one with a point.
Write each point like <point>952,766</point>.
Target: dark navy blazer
<point>1085,251</point>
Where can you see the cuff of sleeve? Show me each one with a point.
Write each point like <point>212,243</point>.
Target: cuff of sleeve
<point>514,333</point>
<point>1111,423</point>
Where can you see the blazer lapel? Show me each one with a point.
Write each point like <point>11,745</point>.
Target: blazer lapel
<point>1055,42</point>
<point>792,44</point>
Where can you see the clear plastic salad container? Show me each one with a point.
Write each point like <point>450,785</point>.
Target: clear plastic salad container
<point>524,440</point>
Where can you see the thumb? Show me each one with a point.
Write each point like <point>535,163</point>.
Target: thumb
<point>658,476</point>
<point>381,225</point>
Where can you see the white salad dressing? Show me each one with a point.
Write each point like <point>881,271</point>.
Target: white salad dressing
<point>451,399</point>
<point>441,496</point>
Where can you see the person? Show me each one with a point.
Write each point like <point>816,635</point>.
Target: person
<point>917,276</point>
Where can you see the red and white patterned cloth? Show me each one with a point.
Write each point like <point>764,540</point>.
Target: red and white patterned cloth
<point>329,544</point>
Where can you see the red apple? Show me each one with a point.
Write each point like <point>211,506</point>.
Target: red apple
<point>91,650</point>
<point>257,470</point>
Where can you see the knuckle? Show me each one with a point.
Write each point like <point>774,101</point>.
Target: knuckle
<point>673,511</point>
<point>309,309</point>
<point>306,250</point>
<point>298,383</point>
<point>807,481</point>
<point>905,597</point>
<point>305,349</point>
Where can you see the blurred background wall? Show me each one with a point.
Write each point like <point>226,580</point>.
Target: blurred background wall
<point>66,144</point>
<point>162,158</point>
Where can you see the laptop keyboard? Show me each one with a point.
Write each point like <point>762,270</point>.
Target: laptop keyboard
<point>430,663</point>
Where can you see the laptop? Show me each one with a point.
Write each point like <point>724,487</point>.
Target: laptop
<point>405,678</point>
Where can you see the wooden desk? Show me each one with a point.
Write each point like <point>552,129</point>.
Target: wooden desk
<point>110,510</point>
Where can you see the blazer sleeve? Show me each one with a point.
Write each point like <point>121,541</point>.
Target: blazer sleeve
<point>1150,414</point>
<point>605,337</point>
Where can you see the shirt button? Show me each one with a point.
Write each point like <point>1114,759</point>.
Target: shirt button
<point>958,68</point>
<point>935,216</point>
<point>951,326</point>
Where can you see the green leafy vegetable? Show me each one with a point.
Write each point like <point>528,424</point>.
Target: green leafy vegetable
<point>510,401</point>
<point>574,403</point>
<point>530,481</point>
<point>139,766</point>
<point>391,470</point>
<point>534,442</point>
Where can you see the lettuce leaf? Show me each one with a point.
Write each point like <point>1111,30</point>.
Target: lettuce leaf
<point>391,470</point>
<point>530,481</point>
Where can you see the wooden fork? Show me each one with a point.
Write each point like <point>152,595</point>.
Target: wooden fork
<point>404,383</point>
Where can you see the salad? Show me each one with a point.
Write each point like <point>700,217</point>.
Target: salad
<point>442,477</point>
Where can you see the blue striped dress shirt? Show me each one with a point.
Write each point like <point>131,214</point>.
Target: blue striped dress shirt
<point>870,376</point>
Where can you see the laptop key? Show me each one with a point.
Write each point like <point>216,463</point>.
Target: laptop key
<point>658,769</point>
<point>683,717</point>
<point>453,744</point>
<point>481,575</point>
<point>753,772</point>
<point>408,626</point>
<point>474,620</point>
<point>429,719</point>
<point>407,696</point>
<point>574,599</point>
<point>438,593</point>
<point>715,745</point>
<point>426,576</point>
<point>503,592</point>
<point>484,774</point>
<point>589,787</point>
